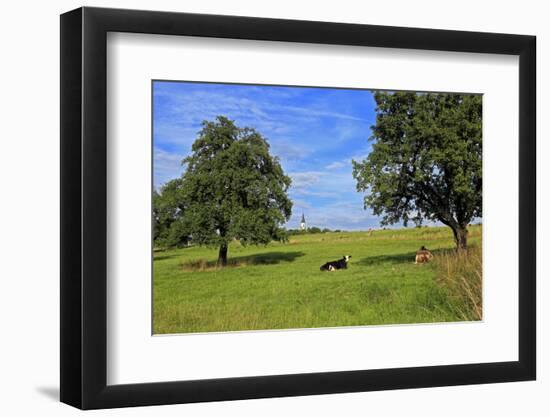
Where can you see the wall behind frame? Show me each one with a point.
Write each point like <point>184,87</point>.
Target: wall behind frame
<point>29,173</point>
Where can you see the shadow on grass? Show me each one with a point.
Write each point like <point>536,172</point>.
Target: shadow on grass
<point>270,258</point>
<point>398,258</point>
<point>163,257</point>
<point>162,254</point>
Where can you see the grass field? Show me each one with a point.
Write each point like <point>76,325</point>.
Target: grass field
<point>279,286</point>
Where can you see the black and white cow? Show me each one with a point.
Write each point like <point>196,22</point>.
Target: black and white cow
<point>334,265</point>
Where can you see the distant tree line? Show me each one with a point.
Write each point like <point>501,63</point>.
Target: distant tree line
<point>312,230</point>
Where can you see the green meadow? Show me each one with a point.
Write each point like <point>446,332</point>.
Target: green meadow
<point>280,286</point>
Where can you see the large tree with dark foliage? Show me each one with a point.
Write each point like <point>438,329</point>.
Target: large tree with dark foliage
<point>426,160</point>
<point>232,189</point>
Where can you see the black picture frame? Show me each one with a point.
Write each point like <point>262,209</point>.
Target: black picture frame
<point>84,207</point>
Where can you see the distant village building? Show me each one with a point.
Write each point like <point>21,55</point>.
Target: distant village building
<point>303,223</point>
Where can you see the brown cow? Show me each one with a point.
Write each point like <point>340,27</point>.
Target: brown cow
<point>423,255</point>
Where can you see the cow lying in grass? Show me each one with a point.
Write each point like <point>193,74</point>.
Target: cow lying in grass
<point>423,255</point>
<point>334,265</point>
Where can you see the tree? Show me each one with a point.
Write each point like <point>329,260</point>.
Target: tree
<point>169,228</point>
<point>426,160</point>
<point>233,188</point>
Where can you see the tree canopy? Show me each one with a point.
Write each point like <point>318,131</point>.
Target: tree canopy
<point>169,227</point>
<point>426,160</point>
<point>232,188</point>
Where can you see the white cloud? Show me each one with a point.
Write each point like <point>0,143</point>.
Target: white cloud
<point>300,204</point>
<point>318,113</point>
<point>336,165</point>
<point>166,166</point>
<point>288,151</point>
<point>175,134</point>
<point>326,194</point>
<point>341,215</point>
<point>305,179</point>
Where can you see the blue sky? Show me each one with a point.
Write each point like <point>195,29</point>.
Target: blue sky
<point>315,132</point>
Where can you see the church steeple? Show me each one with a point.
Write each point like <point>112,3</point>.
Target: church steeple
<point>303,222</point>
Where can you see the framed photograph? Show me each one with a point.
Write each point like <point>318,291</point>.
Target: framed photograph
<point>257,208</point>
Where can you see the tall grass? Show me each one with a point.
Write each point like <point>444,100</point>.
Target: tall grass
<point>460,273</point>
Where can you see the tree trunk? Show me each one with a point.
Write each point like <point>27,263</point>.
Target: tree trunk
<point>461,237</point>
<point>222,255</point>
